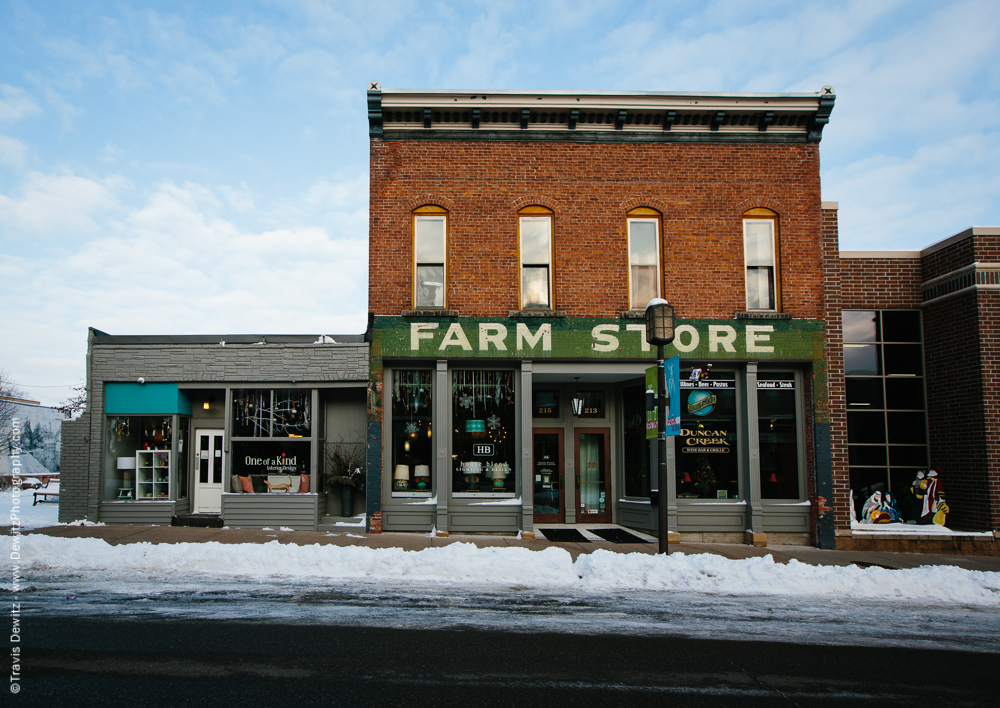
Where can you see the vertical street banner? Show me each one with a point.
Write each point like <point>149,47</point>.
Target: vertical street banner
<point>672,373</point>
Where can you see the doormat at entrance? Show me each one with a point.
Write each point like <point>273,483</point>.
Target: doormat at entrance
<point>564,535</point>
<point>205,521</point>
<point>617,536</point>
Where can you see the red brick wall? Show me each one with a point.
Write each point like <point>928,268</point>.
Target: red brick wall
<point>702,191</point>
<point>880,283</point>
<point>987,510</point>
<point>837,413</point>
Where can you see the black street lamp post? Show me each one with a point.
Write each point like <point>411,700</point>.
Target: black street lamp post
<point>660,331</point>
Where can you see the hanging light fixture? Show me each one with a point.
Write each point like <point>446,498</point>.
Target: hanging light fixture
<point>773,477</point>
<point>577,400</point>
<point>687,477</point>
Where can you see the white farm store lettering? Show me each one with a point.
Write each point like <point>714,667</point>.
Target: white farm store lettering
<point>494,336</point>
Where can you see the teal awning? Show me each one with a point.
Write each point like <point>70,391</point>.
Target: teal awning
<point>145,399</point>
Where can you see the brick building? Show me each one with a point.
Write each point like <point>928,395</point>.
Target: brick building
<point>515,239</point>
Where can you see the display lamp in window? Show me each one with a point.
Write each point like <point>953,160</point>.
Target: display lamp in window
<point>498,473</point>
<point>422,474</point>
<point>402,477</point>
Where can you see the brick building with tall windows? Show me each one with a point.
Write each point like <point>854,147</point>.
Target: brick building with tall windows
<point>515,239</point>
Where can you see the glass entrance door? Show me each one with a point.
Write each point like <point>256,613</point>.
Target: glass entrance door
<point>547,469</point>
<point>593,487</point>
<point>209,466</point>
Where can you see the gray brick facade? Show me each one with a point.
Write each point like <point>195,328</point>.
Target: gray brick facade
<point>202,359</point>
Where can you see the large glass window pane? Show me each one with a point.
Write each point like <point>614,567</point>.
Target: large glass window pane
<point>905,393</point>
<point>483,416</point>
<point>292,413</point>
<point>862,360</point>
<point>906,428</point>
<point>865,427</point>
<point>900,326</point>
<point>644,286</point>
<point>642,242</point>
<point>251,415</point>
<point>707,452</point>
<point>867,455</point>
<point>535,286</point>
<point>430,239</point>
<point>778,439</point>
<point>430,286</point>
<point>536,240</point>
<point>864,393</point>
<point>759,243</point>
<point>270,460</point>
<point>760,288</point>
<point>137,459</point>
<point>860,325</point>
<point>904,359</point>
<point>412,441</point>
<point>636,445</point>
<point>908,455</point>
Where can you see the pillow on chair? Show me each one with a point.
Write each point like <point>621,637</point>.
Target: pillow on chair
<point>304,484</point>
<point>246,484</point>
<point>235,484</point>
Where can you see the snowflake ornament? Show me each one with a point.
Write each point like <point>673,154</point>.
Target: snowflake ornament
<point>411,428</point>
<point>466,401</point>
<point>493,421</point>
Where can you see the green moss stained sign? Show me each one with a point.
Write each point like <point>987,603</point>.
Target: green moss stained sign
<point>594,338</point>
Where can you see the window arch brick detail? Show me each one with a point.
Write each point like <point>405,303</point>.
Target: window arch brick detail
<point>753,202</point>
<point>430,200</point>
<point>535,200</point>
<point>643,201</point>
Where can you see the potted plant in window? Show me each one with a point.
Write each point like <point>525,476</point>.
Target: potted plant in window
<point>345,465</point>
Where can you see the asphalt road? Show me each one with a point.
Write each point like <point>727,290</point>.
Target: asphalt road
<point>158,661</point>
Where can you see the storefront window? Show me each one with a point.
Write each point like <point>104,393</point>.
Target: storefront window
<point>777,431</point>
<point>707,452</point>
<point>270,462</point>
<point>886,414</point>
<point>483,454</point>
<point>265,413</point>
<point>636,445</point>
<point>412,441</point>
<point>138,460</point>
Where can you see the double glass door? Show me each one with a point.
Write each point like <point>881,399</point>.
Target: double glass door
<point>548,476</point>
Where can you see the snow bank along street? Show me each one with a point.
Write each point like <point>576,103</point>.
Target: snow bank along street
<point>464,563</point>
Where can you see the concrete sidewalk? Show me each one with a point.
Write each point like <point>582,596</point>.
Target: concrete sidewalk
<point>116,535</point>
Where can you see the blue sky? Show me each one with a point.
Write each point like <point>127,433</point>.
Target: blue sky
<point>170,168</point>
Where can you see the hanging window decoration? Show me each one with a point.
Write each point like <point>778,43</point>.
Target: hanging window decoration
<point>412,437</point>
<point>483,412</point>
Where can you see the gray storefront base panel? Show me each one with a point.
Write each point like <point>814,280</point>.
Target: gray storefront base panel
<point>793,519</point>
<point>255,511</point>
<point>713,520</point>
<point>408,520</point>
<point>146,513</point>
<point>636,514</point>
<point>482,521</point>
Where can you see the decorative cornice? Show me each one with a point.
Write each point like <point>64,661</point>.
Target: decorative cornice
<point>977,276</point>
<point>599,116</point>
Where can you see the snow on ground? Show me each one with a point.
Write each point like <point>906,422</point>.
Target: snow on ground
<point>465,564</point>
<point>32,517</point>
<point>859,528</point>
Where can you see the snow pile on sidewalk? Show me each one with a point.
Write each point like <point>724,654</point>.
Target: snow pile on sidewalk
<point>31,516</point>
<point>464,563</point>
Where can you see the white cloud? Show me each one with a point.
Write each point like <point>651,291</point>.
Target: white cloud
<point>15,103</point>
<point>12,152</point>
<point>61,204</point>
<point>179,264</point>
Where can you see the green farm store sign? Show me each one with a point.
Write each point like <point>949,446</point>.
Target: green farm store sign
<point>594,338</point>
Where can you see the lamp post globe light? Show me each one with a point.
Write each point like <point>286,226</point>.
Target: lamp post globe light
<point>660,331</point>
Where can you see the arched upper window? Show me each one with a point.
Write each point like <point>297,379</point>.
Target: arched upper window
<point>535,248</point>
<point>760,255</point>
<point>643,256</point>
<point>430,260</point>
